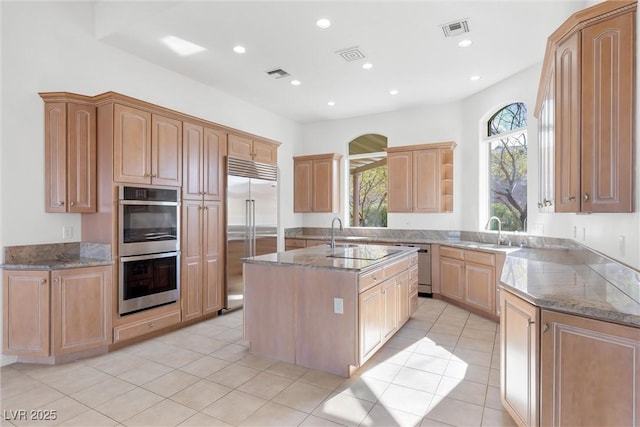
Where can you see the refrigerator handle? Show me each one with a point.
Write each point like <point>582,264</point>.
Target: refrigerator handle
<point>253,226</point>
<point>247,232</point>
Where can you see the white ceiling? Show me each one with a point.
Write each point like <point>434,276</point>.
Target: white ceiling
<point>402,39</point>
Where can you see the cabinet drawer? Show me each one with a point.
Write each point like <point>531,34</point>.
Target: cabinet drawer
<point>370,279</point>
<point>315,242</point>
<point>413,274</point>
<point>480,257</point>
<point>413,260</point>
<point>449,252</point>
<point>295,243</point>
<point>125,332</point>
<point>413,287</point>
<point>413,302</point>
<point>395,268</point>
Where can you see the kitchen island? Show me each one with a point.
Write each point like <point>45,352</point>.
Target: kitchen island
<point>328,308</point>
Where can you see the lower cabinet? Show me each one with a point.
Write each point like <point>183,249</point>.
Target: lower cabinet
<point>469,277</point>
<point>51,313</point>
<point>566,370</point>
<point>371,321</point>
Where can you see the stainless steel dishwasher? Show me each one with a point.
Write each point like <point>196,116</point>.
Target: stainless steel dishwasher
<point>424,270</point>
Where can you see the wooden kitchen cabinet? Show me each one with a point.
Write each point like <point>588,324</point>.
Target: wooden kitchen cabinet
<point>371,321</point>
<point>420,178</point>
<point>202,289</point>
<point>470,278</point>
<point>58,312</point>
<point>519,367</point>
<point>252,149</point>
<point>589,372</point>
<point>585,100</point>
<point>316,183</point>
<point>147,147</point>
<point>204,150</point>
<point>70,153</point>
<point>389,307</point>
<point>546,147</point>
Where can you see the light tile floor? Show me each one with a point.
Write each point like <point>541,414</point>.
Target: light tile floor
<point>441,368</point>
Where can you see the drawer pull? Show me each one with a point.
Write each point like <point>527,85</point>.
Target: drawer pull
<point>152,325</point>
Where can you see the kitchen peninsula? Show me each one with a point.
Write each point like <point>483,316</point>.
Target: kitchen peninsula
<point>328,308</point>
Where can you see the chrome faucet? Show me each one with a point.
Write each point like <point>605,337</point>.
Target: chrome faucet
<point>332,244</point>
<point>499,227</point>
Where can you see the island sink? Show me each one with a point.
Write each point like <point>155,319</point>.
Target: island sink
<point>362,252</point>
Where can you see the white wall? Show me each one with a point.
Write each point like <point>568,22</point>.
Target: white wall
<point>462,122</point>
<point>49,46</point>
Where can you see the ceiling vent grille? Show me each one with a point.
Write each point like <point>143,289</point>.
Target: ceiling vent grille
<point>278,73</point>
<point>351,54</point>
<point>456,28</point>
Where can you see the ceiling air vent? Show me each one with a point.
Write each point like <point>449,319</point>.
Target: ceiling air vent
<point>350,54</point>
<point>278,73</point>
<point>456,28</point>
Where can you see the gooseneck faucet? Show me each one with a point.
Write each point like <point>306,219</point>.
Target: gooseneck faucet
<point>499,227</point>
<point>332,244</point>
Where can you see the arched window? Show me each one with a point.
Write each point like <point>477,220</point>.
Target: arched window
<point>507,144</point>
<point>368,181</point>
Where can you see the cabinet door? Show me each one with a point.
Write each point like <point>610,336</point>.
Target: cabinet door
<point>480,282</point>
<point>213,290</point>
<point>589,372</point>
<point>389,307</point>
<point>303,186</point>
<point>193,161</point>
<point>81,158</point>
<point>399,181</point>
<point>192,269</point>
<point>215,148</point>
<point>403,298</point>
<point>519,359</point>
<point>55,125</point>
<point>26,312</point>
<point>166,151</point>
<point>426,180</point>
<point>452,278</point>
<point>371,305</point>
<point>608,57</point>
<point>81,309</point>
<point>567,123</point>
<point>131,145</point>
<point>323,178</point>
<point>240,147</point>
<point>265,152</point>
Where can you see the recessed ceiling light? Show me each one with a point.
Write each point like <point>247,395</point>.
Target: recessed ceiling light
<point>393,92</point>
<point>296,82</point>
<point>180,46</point>
<point>239,49</point>
<point>367,66</point>
<point>465,43</point>
<point>323,23</point>
<point>331,103</point>
<point>474,78</point>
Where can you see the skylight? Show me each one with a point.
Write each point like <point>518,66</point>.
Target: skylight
<point>181,47</point>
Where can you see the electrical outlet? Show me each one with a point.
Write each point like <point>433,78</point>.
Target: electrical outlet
<point>338,306</point>
<point>67,232</point>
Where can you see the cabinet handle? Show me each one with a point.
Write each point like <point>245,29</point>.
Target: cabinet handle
<point>154,176</point>
<point>146,175</point>
<point>531,322</point>
<point>61,204</point>
<point>586,197</point>
<point>152,325</point>
<point>43,281</point>
<point>572,197</point>
<point>545,327</point>
<point>72,203</point>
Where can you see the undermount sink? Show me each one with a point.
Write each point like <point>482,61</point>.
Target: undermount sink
<point>361,252</point>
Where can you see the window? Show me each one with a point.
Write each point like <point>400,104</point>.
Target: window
<point>507,145</point>
<point>368,181</point>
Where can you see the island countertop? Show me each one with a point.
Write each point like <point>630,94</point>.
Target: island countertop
<point>575,282</point>
<point>342,257</point>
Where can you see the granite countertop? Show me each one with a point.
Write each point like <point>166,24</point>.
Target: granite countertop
<point>57,264</point>
<point>575,282</point>
<point>56,256</point>
<point>342,257</point>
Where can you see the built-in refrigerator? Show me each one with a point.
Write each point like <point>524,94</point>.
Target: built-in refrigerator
<point>252,220</point>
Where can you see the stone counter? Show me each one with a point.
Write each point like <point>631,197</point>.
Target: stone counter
<point>577,282</point>
<point>56,256</point>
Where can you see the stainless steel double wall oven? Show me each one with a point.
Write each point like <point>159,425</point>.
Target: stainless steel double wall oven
<point>149,247</point>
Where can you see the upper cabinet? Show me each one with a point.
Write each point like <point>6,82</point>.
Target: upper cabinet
<point>147,148</point>
<point>316,183</point>
<point>420,178</point>
<point>204,149</point>
<point>250,149</point>
<point>70,153</point>
<point>586,111</point>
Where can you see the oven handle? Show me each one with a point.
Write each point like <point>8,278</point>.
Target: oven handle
<point>149,256</point>
<point>148,203</point>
